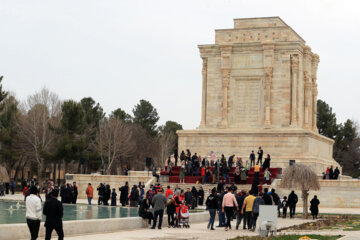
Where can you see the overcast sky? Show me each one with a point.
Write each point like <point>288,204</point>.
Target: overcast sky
<point>121,51</point>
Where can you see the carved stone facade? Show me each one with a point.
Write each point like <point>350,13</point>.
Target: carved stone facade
<point>259,89</point>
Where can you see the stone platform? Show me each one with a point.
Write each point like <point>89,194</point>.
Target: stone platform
<point>302,145</point>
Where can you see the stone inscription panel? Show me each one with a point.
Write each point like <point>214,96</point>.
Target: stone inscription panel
<point>247,101</point>
<point>241,61</point>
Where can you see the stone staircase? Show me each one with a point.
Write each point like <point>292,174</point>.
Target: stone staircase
<point>206,187</point>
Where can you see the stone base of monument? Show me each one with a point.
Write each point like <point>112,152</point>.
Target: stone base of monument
<point>303,146</point>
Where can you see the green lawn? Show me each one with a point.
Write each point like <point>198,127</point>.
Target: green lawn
<point>291,237</point>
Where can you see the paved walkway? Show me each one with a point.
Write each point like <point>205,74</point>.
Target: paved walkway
<point>196,231</point>
<point>199,231</point>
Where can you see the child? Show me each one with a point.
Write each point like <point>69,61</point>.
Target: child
<point>267,175</point>
<point>113,197</point>
<point>284,205</point>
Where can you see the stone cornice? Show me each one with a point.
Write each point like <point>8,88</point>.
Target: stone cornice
<point>254,132</point>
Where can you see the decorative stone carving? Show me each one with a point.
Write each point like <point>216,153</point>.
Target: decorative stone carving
<point>294,58</point>
<point>268,78</point>
<point>225,74</point>
<point>315,62</point>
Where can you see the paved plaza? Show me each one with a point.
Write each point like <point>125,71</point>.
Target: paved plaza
<point>199,231</point>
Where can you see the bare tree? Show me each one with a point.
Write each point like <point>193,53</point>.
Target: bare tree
<point>38,112</point>
<point>166,146</point>
<point>300,177</point>
<point>114,142</point>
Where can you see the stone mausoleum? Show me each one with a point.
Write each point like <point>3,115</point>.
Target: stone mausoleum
<point>259,88</point>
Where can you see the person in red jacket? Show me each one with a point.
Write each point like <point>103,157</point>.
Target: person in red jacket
<point>203,174</point>
<point>169,192</point>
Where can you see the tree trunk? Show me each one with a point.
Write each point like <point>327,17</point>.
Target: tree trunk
<point>304,196</point>
<point>40,173</point>
<point>54,173</point>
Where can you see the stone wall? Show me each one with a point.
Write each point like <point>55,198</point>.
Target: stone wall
<point>115,181</point>
<point>332,193</point>
<point>301,145</point>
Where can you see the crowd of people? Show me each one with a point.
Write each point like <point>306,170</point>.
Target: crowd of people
<point>212,167</point>
<point>244,206</point>
<point>331,173</point>
<point>6,187</point>
<point>131,197</point>
<point>226,201</point>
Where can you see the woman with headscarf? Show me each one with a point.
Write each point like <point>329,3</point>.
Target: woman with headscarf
<point>314,207</point>
<point>194,200</point>
<point>201,196</point>
<point>237,175</point>
<point>170,210</point>
<point>144,210</point>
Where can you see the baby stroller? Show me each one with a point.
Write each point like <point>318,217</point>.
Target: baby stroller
<point>183,216</point>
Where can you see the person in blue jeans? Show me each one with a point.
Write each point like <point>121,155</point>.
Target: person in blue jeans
<point>212,205</point>
<point>226,174</point>
<point>220,197</point>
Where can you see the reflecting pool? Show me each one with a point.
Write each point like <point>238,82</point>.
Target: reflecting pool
<point>14,212</point>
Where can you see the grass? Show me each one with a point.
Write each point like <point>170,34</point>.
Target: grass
<point>291,237</point>
<point>331,222</point>
<point>352,224</point>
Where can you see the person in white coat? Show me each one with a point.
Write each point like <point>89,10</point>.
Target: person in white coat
<point>33,212</point>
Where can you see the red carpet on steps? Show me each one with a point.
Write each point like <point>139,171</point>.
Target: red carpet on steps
<point>174,178</point>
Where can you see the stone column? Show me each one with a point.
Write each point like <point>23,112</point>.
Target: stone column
<point>307,58</point>
<point>315,62</point>
<point>268,56</point>
<point>204,92</point>
<point>294,86</point>
<point>268,80</point>
<point>225,75</point>
<point>307,99</point>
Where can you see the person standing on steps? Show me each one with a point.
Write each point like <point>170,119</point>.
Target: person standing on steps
<point>201,196</point>
<point>252,158</point>
<point>260,153</point>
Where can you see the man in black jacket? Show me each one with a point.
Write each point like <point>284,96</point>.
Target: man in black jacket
<point>53,210</point>
<point>188,197</point>
<point>212,206</point>
<point>331,172</point>
<point>74,193</point>
<point>292,200</point>
<point>239,216</point>
<point>124,196</point>
<point>101,193</point>
<point>276,200</point>
<point>267,198</point>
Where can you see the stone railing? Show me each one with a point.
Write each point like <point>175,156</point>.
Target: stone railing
<point>343,193</point>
